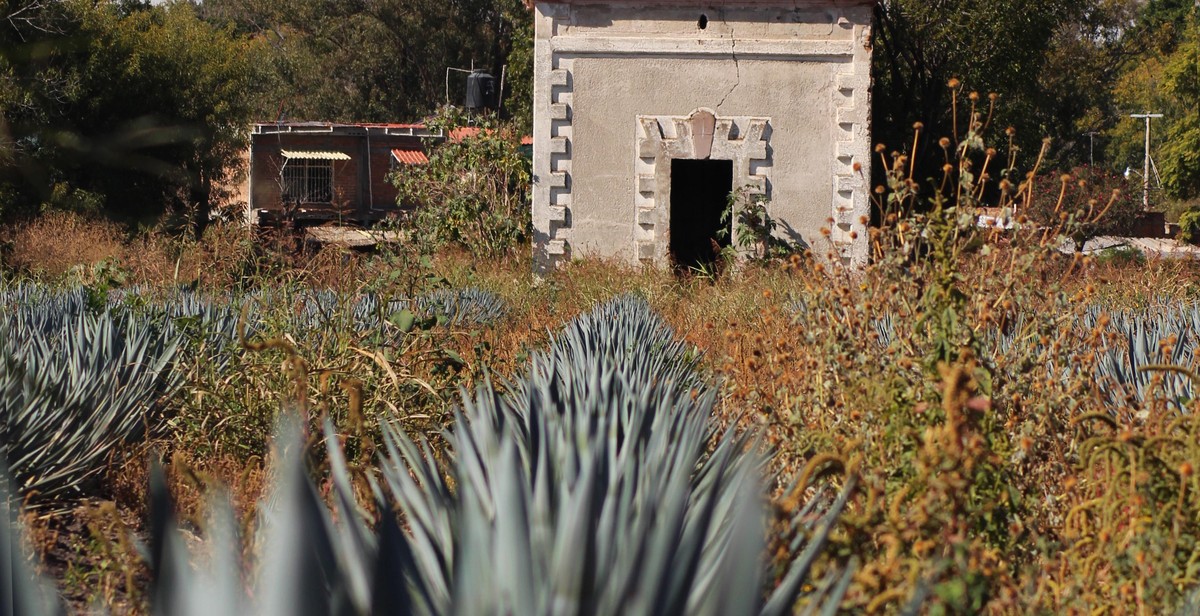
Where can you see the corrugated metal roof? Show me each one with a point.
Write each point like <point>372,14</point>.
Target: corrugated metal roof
<point>410,157</point>
<point>315,155</point>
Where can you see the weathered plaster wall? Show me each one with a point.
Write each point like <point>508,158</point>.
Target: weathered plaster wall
<point>603,70</point>
<point>604,162</point>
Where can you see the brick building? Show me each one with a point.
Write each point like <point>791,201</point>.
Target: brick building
<point>320,171</point>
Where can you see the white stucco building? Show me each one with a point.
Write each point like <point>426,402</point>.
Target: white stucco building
<point>648,112</point>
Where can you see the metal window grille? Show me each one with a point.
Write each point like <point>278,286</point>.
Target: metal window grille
<point>308,181</point>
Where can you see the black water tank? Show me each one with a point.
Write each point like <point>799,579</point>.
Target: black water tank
<point>481,91</point>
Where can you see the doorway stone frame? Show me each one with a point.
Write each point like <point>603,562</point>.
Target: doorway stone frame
<point>700,135</point>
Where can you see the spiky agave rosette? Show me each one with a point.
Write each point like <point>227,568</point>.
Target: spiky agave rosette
<point>76,382</point>
<point>588,486</point>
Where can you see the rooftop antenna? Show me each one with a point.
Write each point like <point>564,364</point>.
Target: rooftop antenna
<point>460,70</point>
<point>1146,171</point>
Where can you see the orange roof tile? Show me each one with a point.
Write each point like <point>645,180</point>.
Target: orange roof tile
<point>410,157</point>
<point>462,132</point>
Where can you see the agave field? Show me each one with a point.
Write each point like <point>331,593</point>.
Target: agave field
<point>975,422</point>
<point>602,458</point>
<point>983,425</point>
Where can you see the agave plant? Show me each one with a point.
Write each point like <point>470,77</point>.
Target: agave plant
<point>1143,336</point>
<point>313,311</point>
<point>586,487</point>
<point>74,385</point>
<point>308,563</point>
<point>593,474</point>
<point>466,306</point>
<point>24,592</point>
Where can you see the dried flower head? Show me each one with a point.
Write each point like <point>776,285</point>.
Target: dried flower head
<point>953,83</point>
<point>974,96</point>
<point>944,142</point>
<point>857,167</point>
<point>879,147</point>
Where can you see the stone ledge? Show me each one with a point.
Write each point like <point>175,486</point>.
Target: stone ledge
<point>744,48</point>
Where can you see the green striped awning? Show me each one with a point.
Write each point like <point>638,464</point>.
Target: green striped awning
<point>315,155</point>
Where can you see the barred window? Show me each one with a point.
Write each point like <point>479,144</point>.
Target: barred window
<point>308,180</point>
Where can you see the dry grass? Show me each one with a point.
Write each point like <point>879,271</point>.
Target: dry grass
<point>60,243</point>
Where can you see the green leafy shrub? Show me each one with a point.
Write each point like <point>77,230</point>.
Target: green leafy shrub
<point>1189,226</point>
<point>753,227</point>
<point>474,191</point>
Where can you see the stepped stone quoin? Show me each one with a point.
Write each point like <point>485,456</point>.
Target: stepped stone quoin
<point>781,88</point>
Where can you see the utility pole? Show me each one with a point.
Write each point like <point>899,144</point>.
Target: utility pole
<point>1091,148</point>
<point>1146,171</point>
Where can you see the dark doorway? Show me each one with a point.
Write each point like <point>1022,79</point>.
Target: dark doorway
<point>699,195</point>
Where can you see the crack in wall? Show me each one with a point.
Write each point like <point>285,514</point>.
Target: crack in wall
<point>736,67</point>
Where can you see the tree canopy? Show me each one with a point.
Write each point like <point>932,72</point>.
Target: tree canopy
<point>379,60</point>
<point>133,108</point>
<point>125,107</point>
<point>1071,70</point>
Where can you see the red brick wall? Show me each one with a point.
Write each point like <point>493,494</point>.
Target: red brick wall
<point>382,191</point>
<point>268,162</point>
<point>370,192</point>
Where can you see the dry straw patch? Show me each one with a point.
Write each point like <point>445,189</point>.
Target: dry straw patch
<point>57,243</point>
